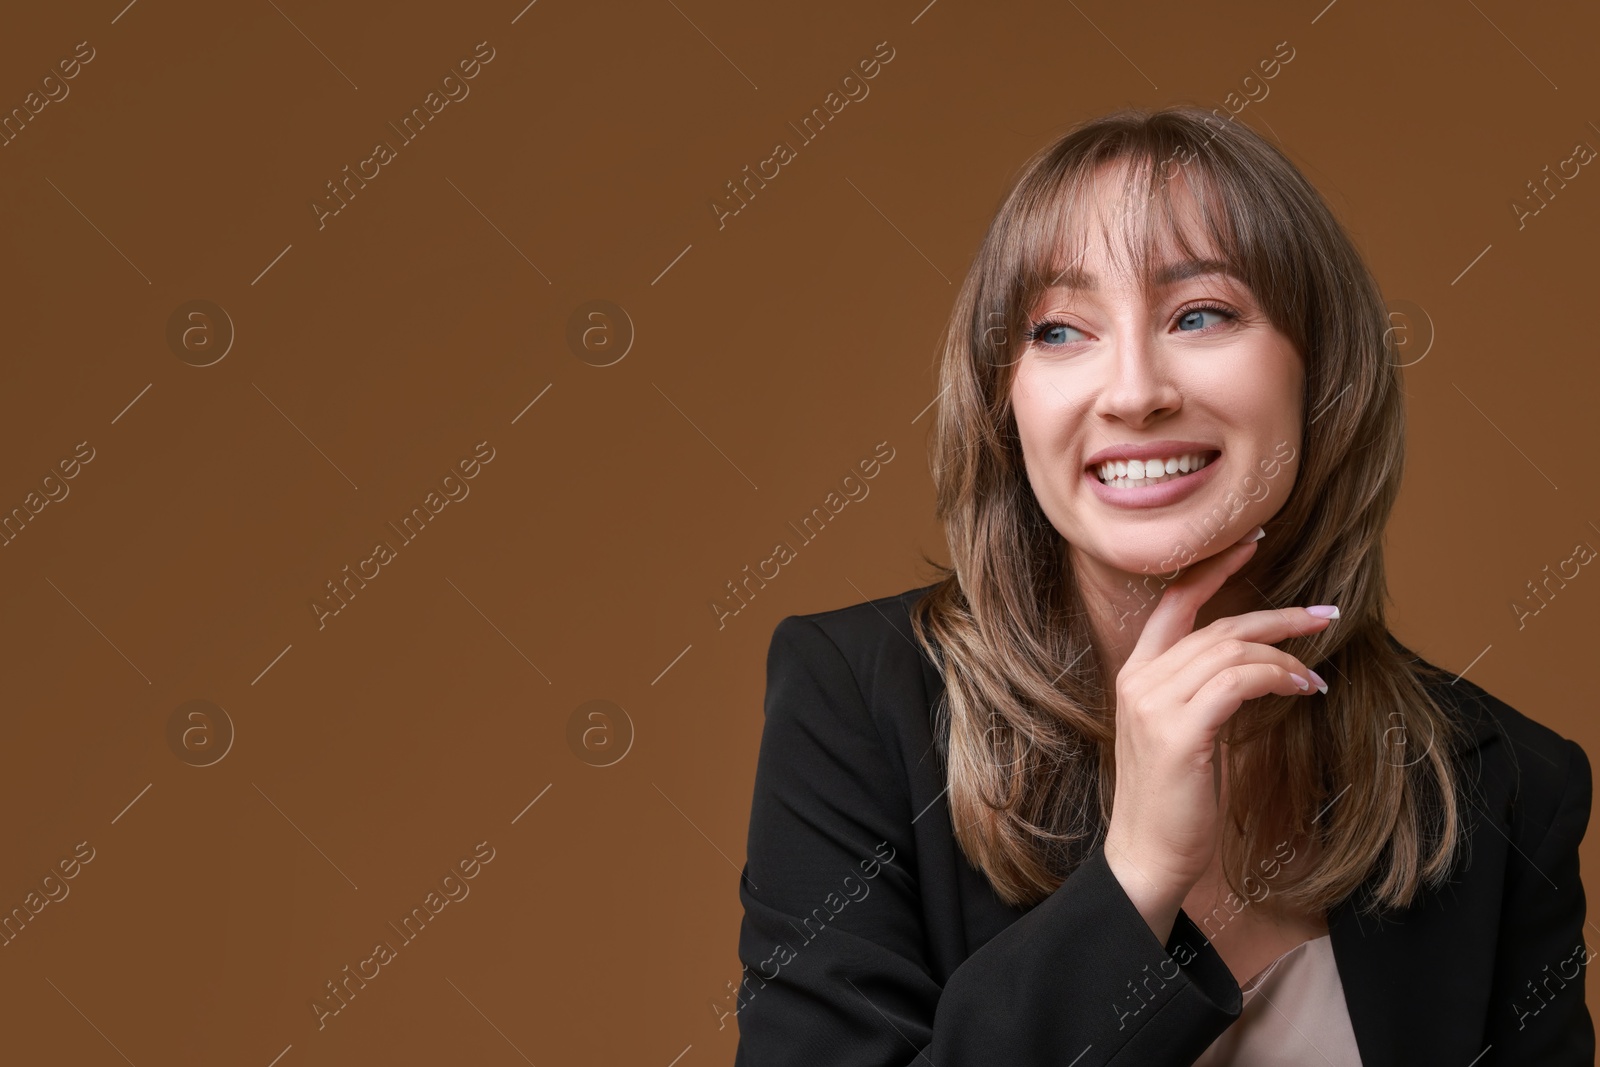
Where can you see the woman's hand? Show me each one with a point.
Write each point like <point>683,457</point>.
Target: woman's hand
<point>1173,695</point>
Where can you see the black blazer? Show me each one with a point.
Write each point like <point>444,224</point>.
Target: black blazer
<point>868,939</point>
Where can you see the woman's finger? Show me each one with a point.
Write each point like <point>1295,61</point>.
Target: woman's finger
<point>1181,686</point>
<point>1173,617</point>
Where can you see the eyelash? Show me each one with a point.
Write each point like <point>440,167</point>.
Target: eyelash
<point>1037,330</point>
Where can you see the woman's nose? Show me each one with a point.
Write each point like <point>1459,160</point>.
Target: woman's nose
<point>1137,386</point>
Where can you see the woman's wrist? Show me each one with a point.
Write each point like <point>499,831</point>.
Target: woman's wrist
<point>1158,905</point>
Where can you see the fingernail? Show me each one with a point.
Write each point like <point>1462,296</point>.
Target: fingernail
<point>1301,682</point>
<point>1322,687</point>
<point>1254,535</point>
<point>1324,611</point>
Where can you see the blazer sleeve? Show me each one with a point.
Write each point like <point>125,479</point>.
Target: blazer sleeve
<point>1537,1009</point>
<point>836,969</point>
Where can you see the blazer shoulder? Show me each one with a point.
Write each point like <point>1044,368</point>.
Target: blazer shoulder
<point>1540,765</point>
<point>874,638</point>
<point>1494,720</point>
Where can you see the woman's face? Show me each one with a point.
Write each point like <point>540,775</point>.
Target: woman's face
<point>1151,381</point>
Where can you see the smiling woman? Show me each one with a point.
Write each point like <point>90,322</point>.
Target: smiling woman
<point>1071,776</point>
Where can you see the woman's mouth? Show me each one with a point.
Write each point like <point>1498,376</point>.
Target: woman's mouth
<point>1138,474</point>
<point>1155,487</point>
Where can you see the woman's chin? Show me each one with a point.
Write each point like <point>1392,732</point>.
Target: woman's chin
<point>1163,562</point>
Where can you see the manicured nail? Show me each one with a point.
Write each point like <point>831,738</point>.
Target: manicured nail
<point>1254,535</point>
<point>1301,682</point>
<point>1322,687</point>
<point>1324,611</point>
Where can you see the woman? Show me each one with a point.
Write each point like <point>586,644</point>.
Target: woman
<point>1144,779</point>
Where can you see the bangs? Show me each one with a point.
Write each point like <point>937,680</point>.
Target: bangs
<point>1157,213</point>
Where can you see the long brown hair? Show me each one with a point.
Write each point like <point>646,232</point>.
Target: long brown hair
<point>1025,728</point>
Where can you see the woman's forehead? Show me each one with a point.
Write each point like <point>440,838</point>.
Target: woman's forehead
<point>1110,225</point>
<point>1087,262</point>
<point>1163,272</point>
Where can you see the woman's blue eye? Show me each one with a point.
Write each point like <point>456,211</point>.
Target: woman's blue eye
<point>1190,317</point>
<point>1050,333</point>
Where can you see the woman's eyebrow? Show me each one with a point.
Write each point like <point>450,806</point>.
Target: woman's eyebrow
<point>1167,274</point>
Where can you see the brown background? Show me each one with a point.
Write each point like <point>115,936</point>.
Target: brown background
<point>770,356</point>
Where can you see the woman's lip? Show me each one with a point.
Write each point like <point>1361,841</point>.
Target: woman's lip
<point>1151,496</point>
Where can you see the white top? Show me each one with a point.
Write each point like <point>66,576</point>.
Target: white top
<point>1294,1012</point>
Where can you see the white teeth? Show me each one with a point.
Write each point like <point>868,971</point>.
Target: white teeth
<point>1134,473</point>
